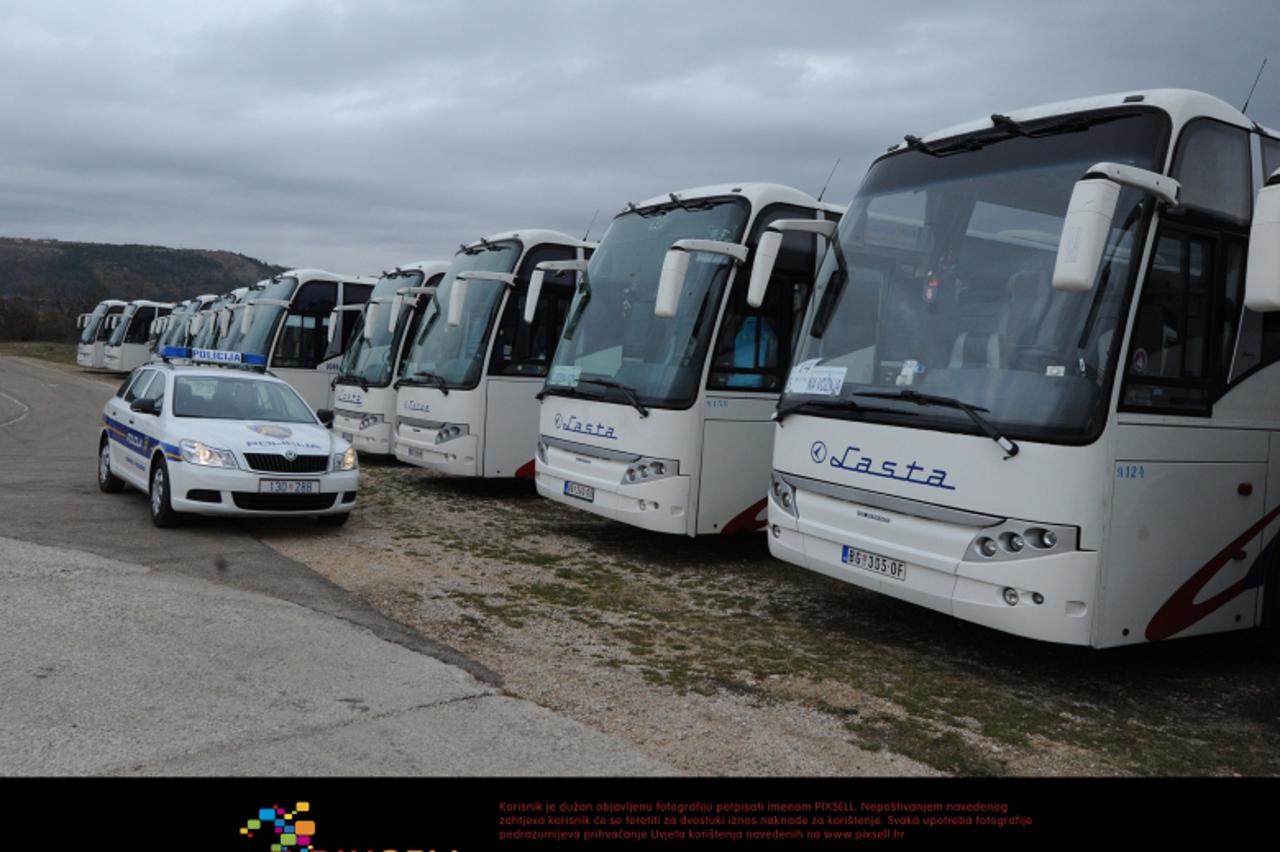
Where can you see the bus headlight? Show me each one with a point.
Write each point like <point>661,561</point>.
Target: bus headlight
<point>1021,540</point>
<point>449,431</point>
<point>196,452</point>
<point>784,496</point>
<point>647,470</point>
<point>346,460</point>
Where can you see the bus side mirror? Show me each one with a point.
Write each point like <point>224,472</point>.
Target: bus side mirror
<point>370,317</point>
<point>539,275</point>
<point>1084,234</point>
<point>457,300</point>
<point>770,243</point>
<point>1262,269</point>
<point>81,320</point>
<point>247,319</point>
<point>333,324</point>
<point>534,291</point>
<point>397,304</point>
<point>224,321</point>
<point>675,267</point>
<point>1088,221</point>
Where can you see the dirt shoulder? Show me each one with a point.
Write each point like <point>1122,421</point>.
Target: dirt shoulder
<point>713,656</point>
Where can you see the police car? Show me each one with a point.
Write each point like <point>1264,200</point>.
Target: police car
<point>219,441</point>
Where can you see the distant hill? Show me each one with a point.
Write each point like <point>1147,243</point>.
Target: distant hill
<point>45,284</point>
<point>32,267</point>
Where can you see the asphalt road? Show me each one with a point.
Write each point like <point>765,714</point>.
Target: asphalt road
<point>125,649</point>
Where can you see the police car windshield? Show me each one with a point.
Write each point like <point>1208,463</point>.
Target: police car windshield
<point>237,398</point>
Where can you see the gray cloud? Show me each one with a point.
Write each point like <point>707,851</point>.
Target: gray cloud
<point>359,135</point>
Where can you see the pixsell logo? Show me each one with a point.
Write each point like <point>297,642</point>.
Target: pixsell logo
<point>281,830</point>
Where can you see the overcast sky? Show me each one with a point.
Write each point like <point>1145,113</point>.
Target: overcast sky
<point>358,135</point>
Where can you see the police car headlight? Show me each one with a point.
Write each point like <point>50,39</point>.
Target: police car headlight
<point>196,452</point>
<point>345,460</point>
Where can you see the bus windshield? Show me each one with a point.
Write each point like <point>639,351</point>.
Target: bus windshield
<point>90,333</point>
<point>175,333</point>
<point>207,336</point>
<point>950,254</point>
<point>456,353</point>
<point>369,358</point>
<point>262,330</point>
<point>617,336</point>
<point>122,327</point>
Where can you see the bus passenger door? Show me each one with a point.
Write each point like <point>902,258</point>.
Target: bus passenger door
<point>1189,491</point>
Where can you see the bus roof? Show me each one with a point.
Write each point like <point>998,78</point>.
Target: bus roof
<point>529,236</point>
<point>1182,105</point>
<point>304,275</point>
<point>758,195</point>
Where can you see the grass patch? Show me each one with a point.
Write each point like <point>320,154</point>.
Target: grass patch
<point>61,353</point>
<point>717,615</point>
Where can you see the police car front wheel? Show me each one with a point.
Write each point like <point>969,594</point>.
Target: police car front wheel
<point>107,481</point>
<point>162,514</point>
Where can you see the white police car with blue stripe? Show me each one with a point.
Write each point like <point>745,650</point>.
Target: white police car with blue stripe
<point>217,441</point>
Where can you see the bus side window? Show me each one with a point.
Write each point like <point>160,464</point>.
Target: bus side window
<point>305,335</point>
<point>1168,365</point>
<point>525,349</point>
<point>754,344</point>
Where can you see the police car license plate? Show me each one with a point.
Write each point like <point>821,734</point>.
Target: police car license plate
<point>582,492</point>
<point>288,486</point>
<point>894,569</point>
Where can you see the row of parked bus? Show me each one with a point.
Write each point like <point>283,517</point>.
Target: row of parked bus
<point>1028,377</point>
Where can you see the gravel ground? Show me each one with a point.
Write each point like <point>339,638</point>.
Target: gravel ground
<point>712,656</point>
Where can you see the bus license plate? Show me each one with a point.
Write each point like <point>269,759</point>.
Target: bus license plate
<point>415,453</point>
<point>582,492</point>
<point>894,569</point>
<point>288,486</point>
<point>348,437</point>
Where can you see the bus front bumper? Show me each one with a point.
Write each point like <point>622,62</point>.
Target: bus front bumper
<point>367,433</point>
<point>417,445</point>
<point>1050,597</point>
<point>595,485</point>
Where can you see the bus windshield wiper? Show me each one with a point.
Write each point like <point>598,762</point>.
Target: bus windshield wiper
<point>1004,128</point>
<point>628,392</point>
<point>791,406</point>
<point>1009,447</point>
<point>433,379</point>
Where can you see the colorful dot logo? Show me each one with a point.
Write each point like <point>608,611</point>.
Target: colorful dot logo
<point>286,831</point>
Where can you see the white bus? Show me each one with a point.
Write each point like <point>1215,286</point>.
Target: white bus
<point>212,325</point>
<point>656,410</point>
<point>363,396</point>
<point>95,330</point>
<point>466,400</point>
<point>130,343</point>
<point>283,326</point>
<point>1030,391</point>
<point>176,331</point>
